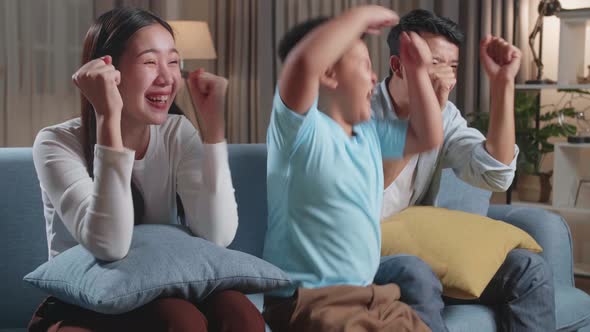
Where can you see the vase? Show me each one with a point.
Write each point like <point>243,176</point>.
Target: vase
<point>534,188</point>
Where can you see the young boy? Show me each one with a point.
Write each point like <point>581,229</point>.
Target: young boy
<point>325,175</point>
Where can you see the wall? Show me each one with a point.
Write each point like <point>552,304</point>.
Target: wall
<point>550,58</point>
<point>577,221</point>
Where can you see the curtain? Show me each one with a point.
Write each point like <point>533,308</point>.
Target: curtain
<point>157,6</point>
<point>510,19</point>
<point>41,46</point>
<point>242,32</point>
<point>477,19</point>
<point>246,35</point>
<point>37,60</point>
<point>244,28</point>
<point>290,12</point>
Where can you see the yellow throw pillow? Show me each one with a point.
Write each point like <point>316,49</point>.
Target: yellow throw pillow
<point>465,250</point>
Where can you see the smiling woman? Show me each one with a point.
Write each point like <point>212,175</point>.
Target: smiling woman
<point>126,161</point>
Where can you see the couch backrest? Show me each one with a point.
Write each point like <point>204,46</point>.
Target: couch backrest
<point>455,194</point>
<point>22,226</point>
<point>248,168</point>
<point>22,235</point>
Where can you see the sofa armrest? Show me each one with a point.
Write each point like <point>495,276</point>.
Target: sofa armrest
<point>549,230</point>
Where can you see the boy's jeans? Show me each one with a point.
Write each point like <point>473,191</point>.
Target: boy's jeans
<point>521,291</point>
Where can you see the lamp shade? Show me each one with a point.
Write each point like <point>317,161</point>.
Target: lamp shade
<point>193,39</point>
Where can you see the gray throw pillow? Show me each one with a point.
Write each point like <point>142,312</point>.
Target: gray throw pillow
<point>164,261</point>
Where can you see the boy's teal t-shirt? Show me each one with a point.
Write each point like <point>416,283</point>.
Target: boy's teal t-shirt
<point>324,196</point>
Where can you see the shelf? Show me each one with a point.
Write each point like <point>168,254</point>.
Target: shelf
<point>570,171</point>
<point>574,14</point>
<point>573,145</point>
<point>552,208</point>
<point>582,270</point>
<point>551,86</point>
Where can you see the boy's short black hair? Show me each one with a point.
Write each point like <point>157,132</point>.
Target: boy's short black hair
<point>296,33</point>
<point>420,20</point>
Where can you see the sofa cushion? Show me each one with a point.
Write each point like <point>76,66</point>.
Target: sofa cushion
<point>469,318</point>
<point>550,230</point>
<point>472,247</point>
<point>164,261</point>
<point>571,308</point>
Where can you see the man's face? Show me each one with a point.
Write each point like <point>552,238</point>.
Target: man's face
<point>442,71</point>
<point>444,52</point>
<point>445,60</point>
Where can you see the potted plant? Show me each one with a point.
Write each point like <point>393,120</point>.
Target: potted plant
<point>533,184</point>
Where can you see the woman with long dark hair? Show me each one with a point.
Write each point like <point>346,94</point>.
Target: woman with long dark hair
<point>126,161</point>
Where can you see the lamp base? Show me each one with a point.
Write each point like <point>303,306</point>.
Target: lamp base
<point>578,139</point>
<point>542,81</point>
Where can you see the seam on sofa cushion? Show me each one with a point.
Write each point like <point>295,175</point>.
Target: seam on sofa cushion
<point>576,325</point>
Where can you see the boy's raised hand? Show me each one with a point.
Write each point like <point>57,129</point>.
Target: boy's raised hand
<point>500,59</point>
<point>208,93</point>
<point>414,52</point>
<point>425,125</point>
<point>378,17</point>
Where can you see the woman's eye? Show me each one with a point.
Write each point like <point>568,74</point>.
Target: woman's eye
<point>150,62</point>
<point>174,62</point>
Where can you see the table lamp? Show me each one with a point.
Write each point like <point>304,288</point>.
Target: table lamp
<point>193,41</point>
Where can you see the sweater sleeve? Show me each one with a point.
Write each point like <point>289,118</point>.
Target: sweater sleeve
<point>97,212</point>
<point>205,187</point>
<point>464,152</point>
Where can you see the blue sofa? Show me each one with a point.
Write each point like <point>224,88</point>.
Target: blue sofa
<point>24,246</point>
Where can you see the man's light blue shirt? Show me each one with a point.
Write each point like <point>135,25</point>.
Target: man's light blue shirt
<point>463,151</point>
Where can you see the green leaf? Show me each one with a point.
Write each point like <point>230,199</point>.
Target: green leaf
<point>533,143</point>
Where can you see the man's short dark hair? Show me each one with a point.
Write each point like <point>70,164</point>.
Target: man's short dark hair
<point>420,20</point>
<point>296,33</point>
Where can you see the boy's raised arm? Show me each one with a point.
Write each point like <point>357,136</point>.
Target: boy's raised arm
<point>300,78</point>
<point>425,131</point>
